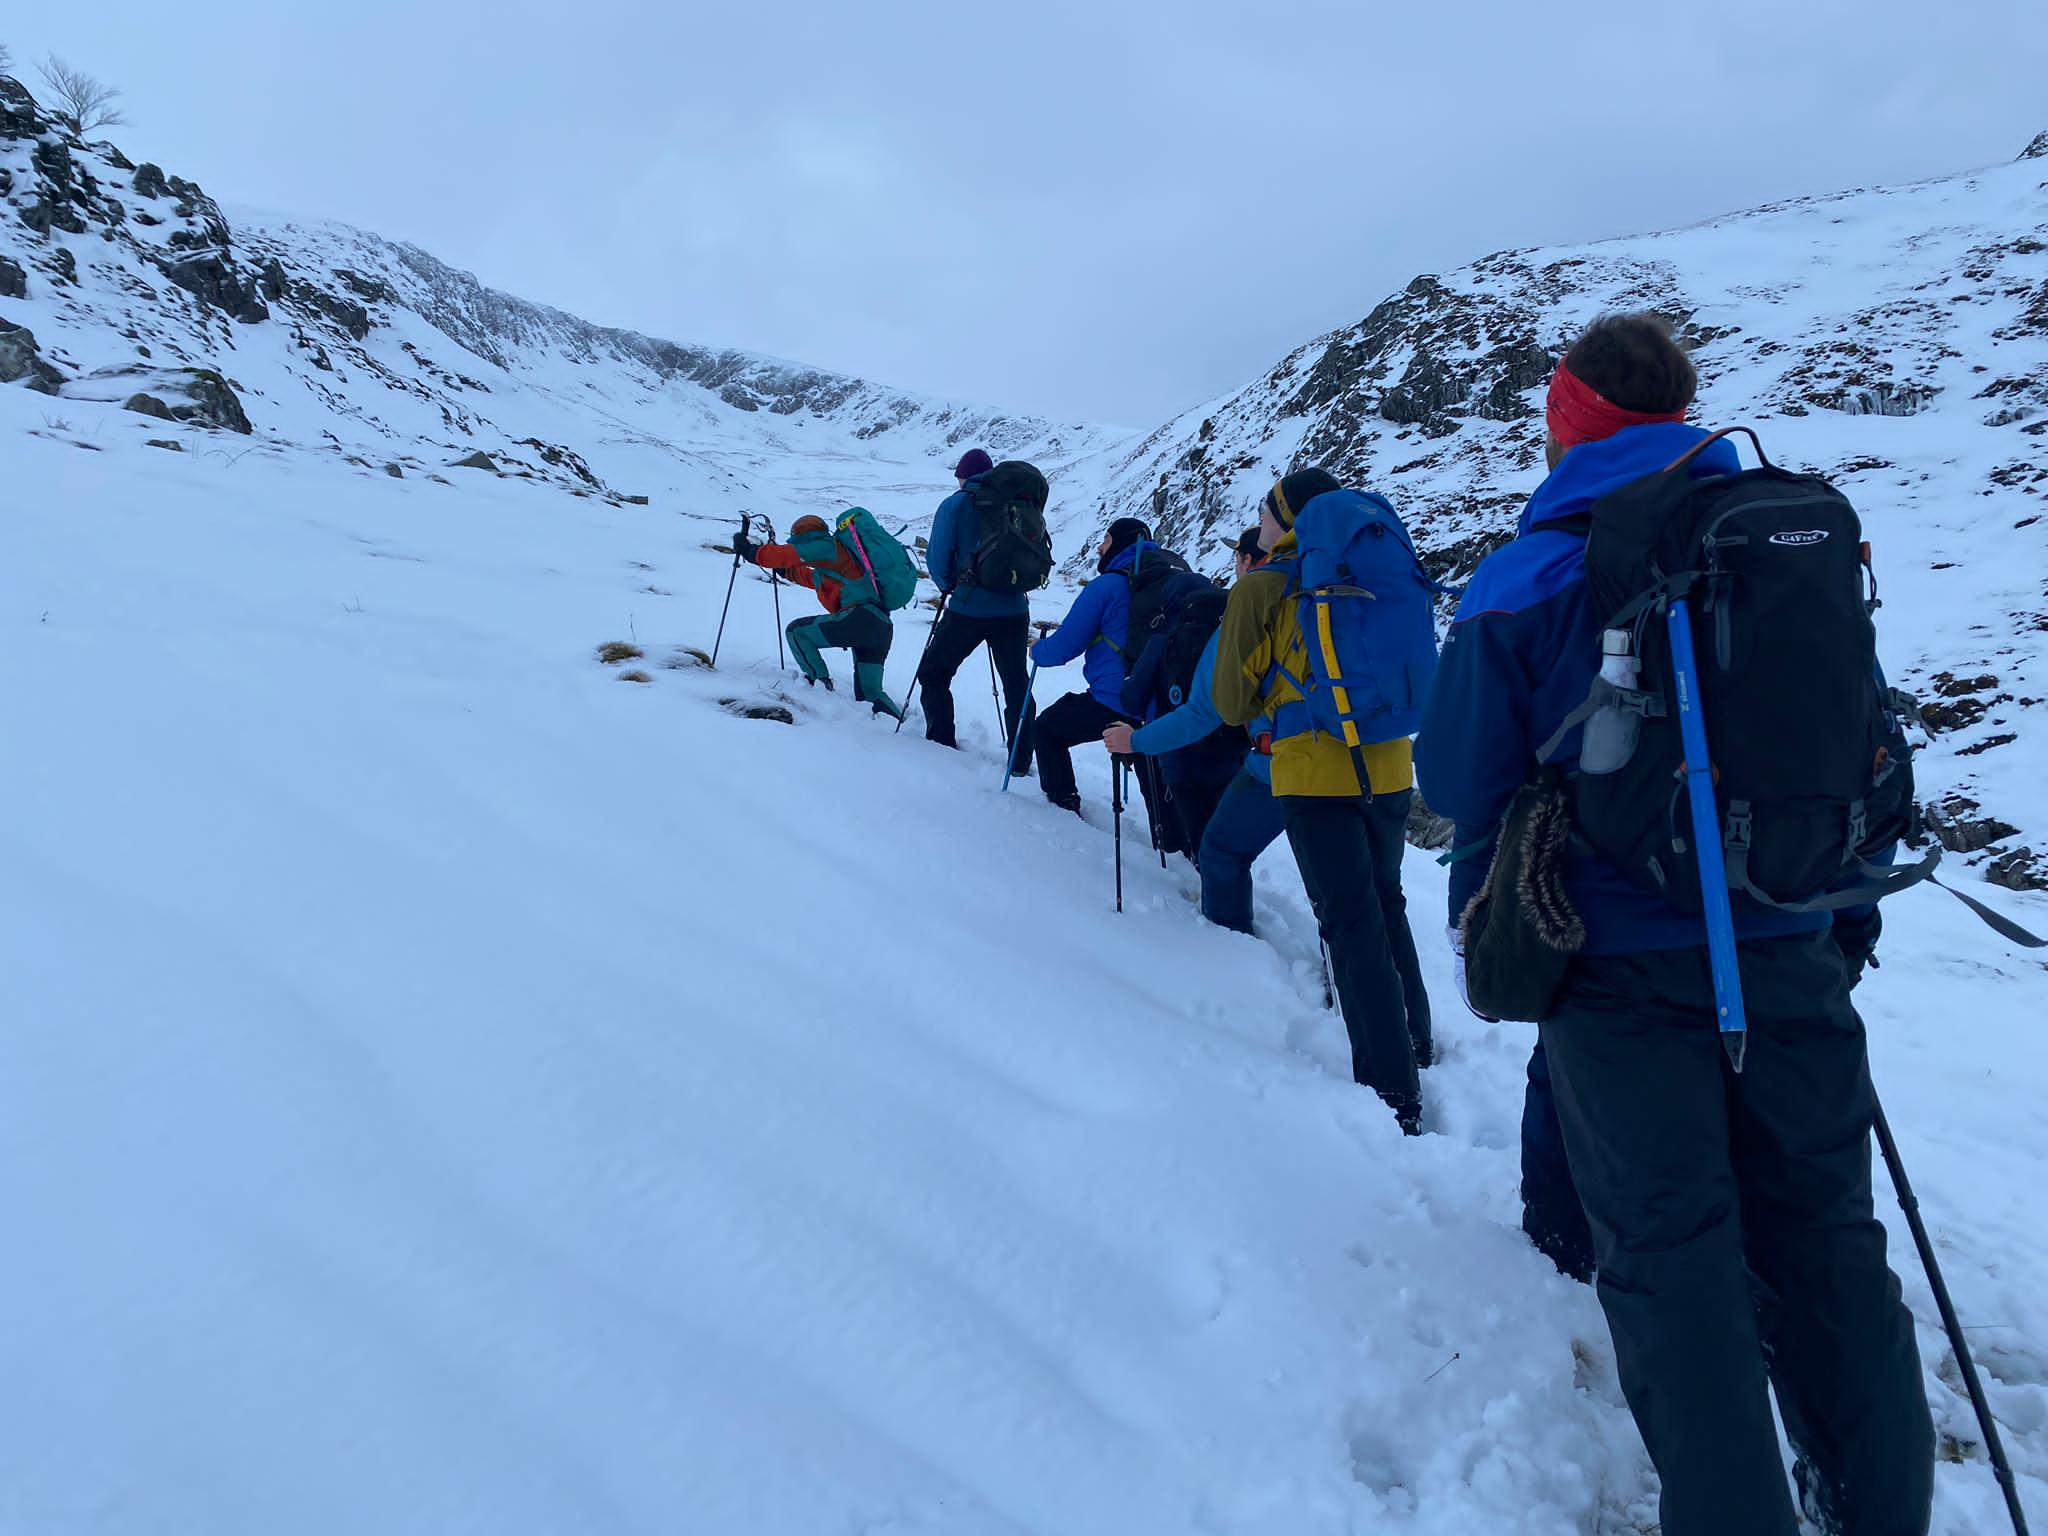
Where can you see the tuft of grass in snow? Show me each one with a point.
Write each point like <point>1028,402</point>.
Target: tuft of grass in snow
<point>687,656</point>
<point>635,676</point>
<point>612,652</point>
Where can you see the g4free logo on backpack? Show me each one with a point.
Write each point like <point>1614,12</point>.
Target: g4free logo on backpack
<point>1800,537</point>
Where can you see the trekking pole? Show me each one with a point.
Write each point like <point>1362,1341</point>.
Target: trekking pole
<point>930,636</point>
<point>1910,1204</point>
<point>994,691</point>
<point>1150,770</point>
<point>1707,837</point>
<point>1010,769</point>
<point>1116,808</point>
<point>735,576</point>
<point>1329,987</point>
<point>775,587</point>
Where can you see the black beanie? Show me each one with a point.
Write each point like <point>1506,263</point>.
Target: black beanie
<point>1290,494</point>
<point>1248,543</point>
<point>1123,533</point>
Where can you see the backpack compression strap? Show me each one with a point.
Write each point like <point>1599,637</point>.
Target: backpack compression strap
<point>1879,881</point>
<point>1340,694</point>
<point>874,581</point>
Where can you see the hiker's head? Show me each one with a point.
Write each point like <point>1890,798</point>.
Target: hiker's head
<point>1119,536</point>
<point>812,539</point>
<point>1284,502</point>
<point>1250,550</point>
<point>1623,371</point>
<point>975,461</point>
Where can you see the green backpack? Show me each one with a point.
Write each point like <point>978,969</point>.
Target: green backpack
<point>887,562</point>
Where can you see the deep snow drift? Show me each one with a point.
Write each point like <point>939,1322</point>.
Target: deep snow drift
<point>447,1088</point>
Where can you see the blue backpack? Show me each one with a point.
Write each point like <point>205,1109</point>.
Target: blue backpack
<point>1367,623</point>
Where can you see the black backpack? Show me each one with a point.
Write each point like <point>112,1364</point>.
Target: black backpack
<point>1811,764</point>
<point>1190,619</point>
<point>1012,551</point>
<point>1152,568</point>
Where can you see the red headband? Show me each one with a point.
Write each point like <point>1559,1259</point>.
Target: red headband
<point>1578,413</point>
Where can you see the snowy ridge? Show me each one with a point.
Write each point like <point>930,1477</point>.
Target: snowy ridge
<point>330,338</point>
<point>1895,339</point>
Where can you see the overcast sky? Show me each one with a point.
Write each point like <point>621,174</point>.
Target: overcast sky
<point>1106,210</point>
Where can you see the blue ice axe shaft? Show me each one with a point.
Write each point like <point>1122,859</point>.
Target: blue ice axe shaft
<point>1706,837</point>
<point>1017,736</point>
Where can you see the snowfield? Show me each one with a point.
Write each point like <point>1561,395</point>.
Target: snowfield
<point>445,1088</point>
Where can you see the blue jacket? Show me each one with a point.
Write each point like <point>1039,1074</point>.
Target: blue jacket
<point>1188,724</point>
<point>1097,624</point>
<point>949,556</point>
<point>1521,655</point>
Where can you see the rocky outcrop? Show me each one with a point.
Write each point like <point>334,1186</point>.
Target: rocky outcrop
<point>21,361</point>
<point>147,405</point>
<point>2038,149</point>
<point>197,396</point>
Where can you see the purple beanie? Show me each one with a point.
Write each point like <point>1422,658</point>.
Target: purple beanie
<point>973,462</point>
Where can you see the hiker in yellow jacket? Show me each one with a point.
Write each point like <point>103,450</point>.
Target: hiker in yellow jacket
<point>1347,837</point>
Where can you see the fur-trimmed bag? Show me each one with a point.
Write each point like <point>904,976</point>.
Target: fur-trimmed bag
<point>1521,931</point>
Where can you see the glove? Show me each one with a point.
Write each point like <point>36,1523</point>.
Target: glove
<point>1856,937</point>
<point>743,546</point>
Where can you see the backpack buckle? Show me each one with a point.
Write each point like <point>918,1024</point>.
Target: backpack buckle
<point>1741,825</point>
<point>1263,744</point>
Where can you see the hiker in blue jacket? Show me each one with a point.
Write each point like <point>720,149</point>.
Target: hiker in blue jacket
<point>1246,820</point>
<point>973,616</point>
<point>1728,1217</point>
<point>1093,629</point>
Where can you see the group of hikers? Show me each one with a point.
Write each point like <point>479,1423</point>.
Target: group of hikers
<point>1697,1122</point>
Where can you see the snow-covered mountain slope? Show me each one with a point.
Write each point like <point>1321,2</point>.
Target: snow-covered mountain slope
<point>446,1088</point>
<point>1895,339</point>
<point>133,283</point>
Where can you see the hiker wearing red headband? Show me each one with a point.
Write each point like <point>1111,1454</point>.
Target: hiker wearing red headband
<point>1705,1191</point>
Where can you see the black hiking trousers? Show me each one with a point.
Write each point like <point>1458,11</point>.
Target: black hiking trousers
<point>1007,638</point>
<point>1736,1244</point>
<point>1066,723</point>
<point>1349,850</point>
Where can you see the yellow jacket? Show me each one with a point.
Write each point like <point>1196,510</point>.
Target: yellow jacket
<point>1261,628</point>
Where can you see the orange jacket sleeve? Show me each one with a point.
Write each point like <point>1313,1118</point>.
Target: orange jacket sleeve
<point>784,558</point>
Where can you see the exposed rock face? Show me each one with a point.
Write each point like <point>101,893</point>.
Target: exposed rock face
<point>1812,320</point>
<point>2038,149</point>
<point>159,273</point>
<point>21,361</point>
<point>148,405</point>
<point>196,396</point>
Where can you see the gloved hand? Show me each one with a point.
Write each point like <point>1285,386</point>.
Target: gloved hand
<point>743,546</point>
<point>1856,937</point>
<point>1457,938</point>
